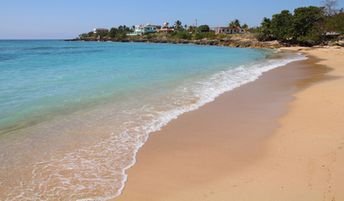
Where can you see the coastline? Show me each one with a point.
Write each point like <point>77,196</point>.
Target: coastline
<point>195,101</point>
<point>61,173</point>
<point>235,40</point>
<point>183,162</point>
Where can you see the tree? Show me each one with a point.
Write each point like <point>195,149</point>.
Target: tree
<point>335,23</point>
<point>83,35</point>
<point>282,25</point>
<point>203,29</point>
<point>264,31</point>
<point>113,32</point>
<point>245,27</point>
<point>178,25</point>
<point>192,29</point>
<point>124,28</point>
<point>308,25</point>
<point>90,34</point>
<point>235,23</point>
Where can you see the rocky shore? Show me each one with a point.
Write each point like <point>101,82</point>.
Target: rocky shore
<point>243,41</point>
<point>235,40</point>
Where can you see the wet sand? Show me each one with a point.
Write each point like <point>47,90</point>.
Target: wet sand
<point>257,142</point>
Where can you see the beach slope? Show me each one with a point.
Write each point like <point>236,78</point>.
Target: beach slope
<point>278,138</point>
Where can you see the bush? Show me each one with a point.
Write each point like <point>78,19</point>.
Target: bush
<point>203,29</point>
<point>208,35</point>
<point>182,35</point>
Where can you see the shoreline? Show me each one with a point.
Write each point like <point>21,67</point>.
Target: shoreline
<point>268,67</point>
<point>139,187</point>
<point>237,42</point>
<point>248,75</point>
<point>232,41</point>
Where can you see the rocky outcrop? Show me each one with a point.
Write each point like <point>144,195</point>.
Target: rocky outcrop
<point>242,41</point>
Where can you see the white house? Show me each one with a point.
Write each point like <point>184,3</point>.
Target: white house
<point>143,29</point>
<point>100,30</point>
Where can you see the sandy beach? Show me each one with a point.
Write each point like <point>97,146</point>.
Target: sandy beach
<point>172,101</point>
<point>277,138</point>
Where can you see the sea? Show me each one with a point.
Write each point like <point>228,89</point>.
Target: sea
<point>73,115</point>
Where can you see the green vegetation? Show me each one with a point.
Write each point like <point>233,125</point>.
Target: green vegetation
<point>203,29</point>
<point>335,23</point>
<point>305,26</point>
<point>245,27</point>
<point>235,23</point>
<point>178,25</point>
<point>180,33</point>
<point>119,33</point>
<point>115,33</point>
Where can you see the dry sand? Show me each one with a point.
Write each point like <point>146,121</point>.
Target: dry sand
<point>278,138</point>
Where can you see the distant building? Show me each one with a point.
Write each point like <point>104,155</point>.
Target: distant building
<point>228,30</point>
<point>100,30</point>
<point>332,34</point>
<point>165,28</point>
<point>144,29</point>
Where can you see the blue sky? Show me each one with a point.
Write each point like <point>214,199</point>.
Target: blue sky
<point>44,19</point>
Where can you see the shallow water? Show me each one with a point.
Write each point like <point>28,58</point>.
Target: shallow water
<point>74,114</point>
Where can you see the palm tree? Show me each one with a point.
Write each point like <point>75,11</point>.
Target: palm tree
<point>178,25</point>
<point>235,23</point>
<point>245,27</point>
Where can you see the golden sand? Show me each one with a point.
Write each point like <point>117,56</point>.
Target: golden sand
<point>278,138</point>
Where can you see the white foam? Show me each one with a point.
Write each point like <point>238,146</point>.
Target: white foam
<point>103,167</point>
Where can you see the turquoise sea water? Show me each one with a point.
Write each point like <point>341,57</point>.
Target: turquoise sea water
<point>83,109</point>
<point>41,77</point>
